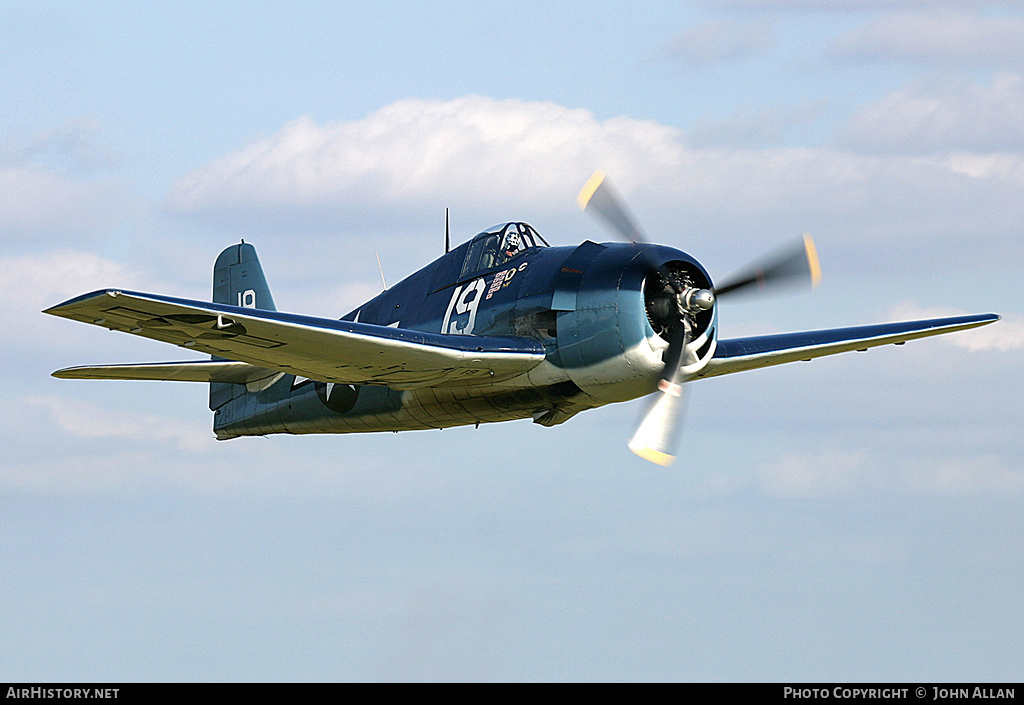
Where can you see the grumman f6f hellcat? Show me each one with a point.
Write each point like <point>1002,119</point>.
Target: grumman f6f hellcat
<point>502,327</point>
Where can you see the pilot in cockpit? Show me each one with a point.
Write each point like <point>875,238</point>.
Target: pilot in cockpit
<point>512,241</point>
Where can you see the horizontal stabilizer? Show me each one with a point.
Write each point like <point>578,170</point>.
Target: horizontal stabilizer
<point>191,371</point>
<point>323,349</point>
<point>739,354</point>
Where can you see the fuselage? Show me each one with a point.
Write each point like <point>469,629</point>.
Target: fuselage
<point>585,304</point>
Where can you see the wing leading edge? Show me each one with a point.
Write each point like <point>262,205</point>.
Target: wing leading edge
<point>257,343</point>
<point>739,354</point>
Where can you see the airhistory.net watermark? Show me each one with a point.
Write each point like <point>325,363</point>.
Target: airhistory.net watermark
<point>62,693</point>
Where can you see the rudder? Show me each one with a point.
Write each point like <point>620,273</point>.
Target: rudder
<point>238,280</point>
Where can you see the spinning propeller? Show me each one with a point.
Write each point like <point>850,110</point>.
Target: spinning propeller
<point>674,302</point>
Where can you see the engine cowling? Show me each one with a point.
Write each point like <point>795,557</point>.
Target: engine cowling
<point>612,343</point>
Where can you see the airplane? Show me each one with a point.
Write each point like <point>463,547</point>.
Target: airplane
<point>502,327</point>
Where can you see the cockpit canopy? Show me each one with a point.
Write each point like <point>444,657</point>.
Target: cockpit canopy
<point>497,245</point>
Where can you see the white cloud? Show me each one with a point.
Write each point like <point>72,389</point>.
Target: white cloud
<point>86,420</point>
<point>1002,336</point>
<point>475,151</point>
<point>493,160</point>
<point>933,117</point>
<point>826,474</point>
<point>716,41</point>
<point>962,476</point>
<point>982,166</point>
<point>942,35</point>
<point>31,283</point>
<point>52,185</point>
<point>836,473</point>
<point>73,147</point>
<point>82,475</point>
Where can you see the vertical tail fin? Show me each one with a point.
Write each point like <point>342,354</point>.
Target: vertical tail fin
<point>237,280</point>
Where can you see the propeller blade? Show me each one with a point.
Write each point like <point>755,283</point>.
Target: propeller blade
<point>796,264</point>
<point>657,435</point>
<point>599,196</point>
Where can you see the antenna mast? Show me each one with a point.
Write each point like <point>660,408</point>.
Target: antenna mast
<point>381,271</point>
<point>447,233</point>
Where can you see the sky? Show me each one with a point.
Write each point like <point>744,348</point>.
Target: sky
<point>856,518</point>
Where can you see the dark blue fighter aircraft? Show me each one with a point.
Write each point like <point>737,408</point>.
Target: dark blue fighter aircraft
<point>502,327</point>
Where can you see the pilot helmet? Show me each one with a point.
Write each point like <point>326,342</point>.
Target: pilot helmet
<point>512,240</point>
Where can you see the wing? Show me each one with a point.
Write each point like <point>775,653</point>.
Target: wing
<point>741,354</point>
<point>318,348</point>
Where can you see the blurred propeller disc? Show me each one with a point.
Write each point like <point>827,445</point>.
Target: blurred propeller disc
<point>793,265</point>
<point>672,300</point>
<point>599,196</point>
<point>657,436</point>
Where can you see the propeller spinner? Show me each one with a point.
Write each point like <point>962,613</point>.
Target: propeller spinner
<point>673,303</point>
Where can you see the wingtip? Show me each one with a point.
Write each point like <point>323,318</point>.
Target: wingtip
<point>59,309</point>
<point>590,188</point>
<point>983,319</point>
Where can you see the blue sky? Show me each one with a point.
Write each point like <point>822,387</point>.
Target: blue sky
<point>856,518</point>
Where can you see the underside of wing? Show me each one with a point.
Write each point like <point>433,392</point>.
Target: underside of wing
<point>739,354</point>
<point>318,348</point>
